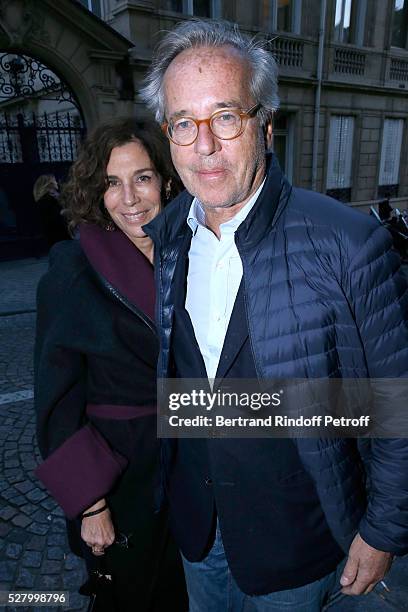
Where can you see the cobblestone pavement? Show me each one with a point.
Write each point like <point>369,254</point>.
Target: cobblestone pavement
<point>33,548</point>
<point>18,283</point>
<point>34,552</point>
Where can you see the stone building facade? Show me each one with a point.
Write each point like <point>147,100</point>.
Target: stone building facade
<point>62,70</point>
<point>342,125</point>
<point>85,52</point>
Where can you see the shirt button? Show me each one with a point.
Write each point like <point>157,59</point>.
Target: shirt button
<point>208,481</point>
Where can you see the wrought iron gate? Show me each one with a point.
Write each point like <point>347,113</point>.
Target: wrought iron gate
<point>39,139</point>
<point>31,145</point>
<point>41,128</point>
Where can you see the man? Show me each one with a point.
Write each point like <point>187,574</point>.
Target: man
<point>262,280</point>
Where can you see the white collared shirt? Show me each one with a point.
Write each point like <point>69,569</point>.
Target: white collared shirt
<point>213,279</point>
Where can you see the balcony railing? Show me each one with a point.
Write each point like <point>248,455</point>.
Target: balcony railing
<point>287,52</point>
<point>349,61</point>
<point>398,70</point>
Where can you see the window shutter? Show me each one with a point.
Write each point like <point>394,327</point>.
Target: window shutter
<point>340,152</point>
<point>391,151</point>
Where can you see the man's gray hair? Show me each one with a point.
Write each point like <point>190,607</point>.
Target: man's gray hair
<point>213,33</point>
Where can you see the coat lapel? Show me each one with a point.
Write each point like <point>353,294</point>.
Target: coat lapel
<point>236,335</point>
<point>237,331</point>
<point>183,330</point>
<point>114,257</point>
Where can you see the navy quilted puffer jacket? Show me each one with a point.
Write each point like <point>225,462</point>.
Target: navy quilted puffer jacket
<point>324,297</point>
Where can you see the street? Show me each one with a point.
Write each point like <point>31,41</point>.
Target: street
<point>34,552</point>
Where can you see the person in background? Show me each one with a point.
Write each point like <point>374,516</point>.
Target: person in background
<point>95,366</point>
<point>46,196</point>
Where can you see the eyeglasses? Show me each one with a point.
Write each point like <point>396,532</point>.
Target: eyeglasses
<point>226,124</point>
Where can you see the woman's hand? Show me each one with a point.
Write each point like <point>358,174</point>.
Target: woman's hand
<point>97,531</point>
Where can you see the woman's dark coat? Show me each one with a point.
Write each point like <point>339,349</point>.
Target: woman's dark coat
<point>95,397</point>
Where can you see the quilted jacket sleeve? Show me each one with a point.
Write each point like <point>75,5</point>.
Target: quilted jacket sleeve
<point>378,294</point>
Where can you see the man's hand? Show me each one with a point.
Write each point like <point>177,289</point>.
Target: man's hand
<point>97,531</point>
<point>364,568</point>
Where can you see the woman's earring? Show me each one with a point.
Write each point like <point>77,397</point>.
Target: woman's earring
<point>109,225</point>
<point>168,190</point>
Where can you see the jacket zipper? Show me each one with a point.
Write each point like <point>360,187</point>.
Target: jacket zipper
<point>251,341</point>
<point>141,315</point>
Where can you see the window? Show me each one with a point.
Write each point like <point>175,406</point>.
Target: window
<point>390,157</point>
<point>199,8</point>
<point>340,157</point>
<point>282,15</point>
<point>288,16</point>
<point>349,21</point>
<point>172,5</point>
<point>282,143</point>
<point>92,5</point>
<point>400,24</point>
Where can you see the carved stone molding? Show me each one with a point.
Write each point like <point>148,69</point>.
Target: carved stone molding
<point>21,21</point>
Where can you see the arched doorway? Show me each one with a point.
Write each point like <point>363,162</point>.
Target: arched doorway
<point>41,126</point>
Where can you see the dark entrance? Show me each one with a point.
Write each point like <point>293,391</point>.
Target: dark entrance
<point>40,130</point>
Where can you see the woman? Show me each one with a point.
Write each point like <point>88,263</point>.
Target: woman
<point>46,197</point>
<point>95,365</point>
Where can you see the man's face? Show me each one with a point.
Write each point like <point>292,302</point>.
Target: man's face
<point>220,173</point>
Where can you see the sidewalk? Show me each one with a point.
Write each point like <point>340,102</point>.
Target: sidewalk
<point>34,552</point>
<point>18,284</point>
<point>33,549</point>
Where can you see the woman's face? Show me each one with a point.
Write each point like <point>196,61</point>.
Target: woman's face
<point>133,195</point>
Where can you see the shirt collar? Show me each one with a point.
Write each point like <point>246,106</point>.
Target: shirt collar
<point>196,214</point>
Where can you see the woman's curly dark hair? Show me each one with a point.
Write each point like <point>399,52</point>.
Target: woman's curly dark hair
<point>82,194</point>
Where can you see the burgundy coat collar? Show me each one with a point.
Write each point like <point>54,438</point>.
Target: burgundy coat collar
<point>121,263</point>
